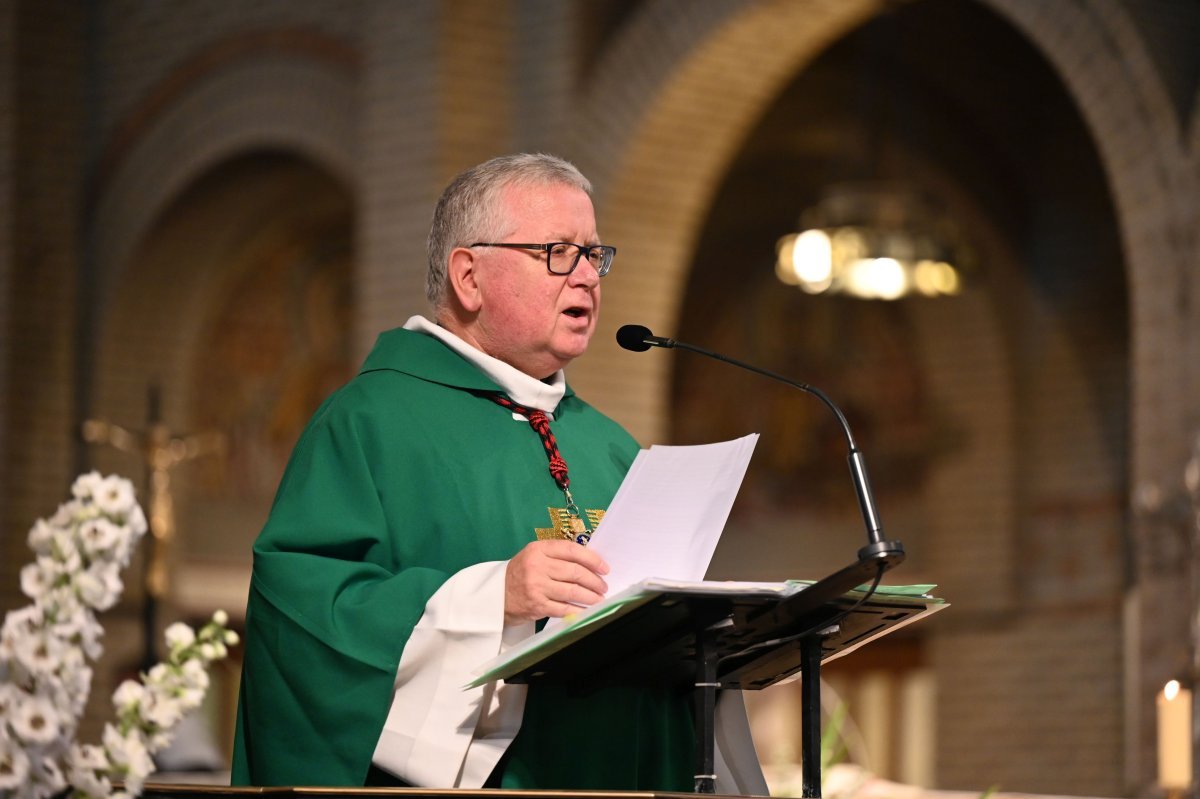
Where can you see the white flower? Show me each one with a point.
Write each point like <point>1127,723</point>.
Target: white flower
<point>123,551</point>
<point>88,756</point>
<point>101,537</point>
<point>47,773</point>
<point>35,582</point>
<point>38,652</point>
<point>41,536</point>
<point>90,633</point>
<point>193,684</point>
<point>191,698</point>
<point>160,740</point>
<point>14,765</point>
<point>208,651</point>
<point>45,677</point>
<point>8,652</point>
<point>66,515</point>
<point>136,521</point>
<point>18,625</point>
<point>86,485</point>
<point>158,675</point>
<point>128,695</point>
<point>195,676</point>
<point>36,720</point>
<point>83,763</point>
<point>69,614</point>
<point>25,620</point>
<point>76,682</point>
<point>163,711</point>
<point>63,557</point>
<point>180,636</point>
<point>128,752</point>
<point>9,699</point>
<point>114,496</point>
<point>100,586</point>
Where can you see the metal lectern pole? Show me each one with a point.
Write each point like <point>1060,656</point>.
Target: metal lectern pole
<point>706,708</point>
<point>810,714</point>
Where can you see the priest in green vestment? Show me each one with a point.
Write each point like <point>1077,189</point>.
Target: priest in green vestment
<point>433,511</point>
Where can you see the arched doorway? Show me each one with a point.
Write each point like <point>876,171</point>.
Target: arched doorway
<point>234,316</point>
<point>998,421</point>
<point>954,400</point>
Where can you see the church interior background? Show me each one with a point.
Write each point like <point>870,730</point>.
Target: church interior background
<point>208,210</point>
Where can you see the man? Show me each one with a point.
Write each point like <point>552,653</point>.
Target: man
<point>429,516</point>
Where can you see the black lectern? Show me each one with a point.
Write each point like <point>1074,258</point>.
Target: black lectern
<point>765,645</point>
<point>708,637</point>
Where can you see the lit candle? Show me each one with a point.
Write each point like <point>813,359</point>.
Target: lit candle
<point>1174,737</point>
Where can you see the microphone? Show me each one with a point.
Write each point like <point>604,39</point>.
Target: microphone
<point>639,339</point>
<point>889,553</point>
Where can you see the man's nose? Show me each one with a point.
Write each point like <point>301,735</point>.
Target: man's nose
<point>584,274</point>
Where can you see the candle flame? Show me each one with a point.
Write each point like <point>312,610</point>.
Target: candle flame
<point>1171,690</point>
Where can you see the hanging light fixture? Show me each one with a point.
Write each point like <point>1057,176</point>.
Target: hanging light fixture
<point>877,236</point>
<point>873,240</point>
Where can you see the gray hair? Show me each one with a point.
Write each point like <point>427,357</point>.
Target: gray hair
<point>470,210</point>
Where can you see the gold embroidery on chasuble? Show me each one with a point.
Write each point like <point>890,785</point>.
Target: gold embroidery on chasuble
<point>564,525</point>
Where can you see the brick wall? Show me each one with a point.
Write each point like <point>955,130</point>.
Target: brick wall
<point>1108,70</point>
<point>149,49</point>
<point>45,133</point>
<point>8,121</point>
<point>400,162</point>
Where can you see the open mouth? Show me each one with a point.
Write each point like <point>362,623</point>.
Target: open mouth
<point>575,313</point>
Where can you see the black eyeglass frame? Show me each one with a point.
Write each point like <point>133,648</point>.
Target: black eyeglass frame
<point>607,253</point>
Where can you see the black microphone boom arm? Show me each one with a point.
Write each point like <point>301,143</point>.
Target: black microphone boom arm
<point>886,553</point>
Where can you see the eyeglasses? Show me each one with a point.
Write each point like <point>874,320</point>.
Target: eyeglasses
<point>562,256</point>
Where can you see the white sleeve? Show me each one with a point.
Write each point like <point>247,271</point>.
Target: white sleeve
<point>736,760</point>
<point>438,734</point>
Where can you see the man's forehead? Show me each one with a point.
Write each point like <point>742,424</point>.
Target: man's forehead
<point>544,202</point>
<point>541,189</point>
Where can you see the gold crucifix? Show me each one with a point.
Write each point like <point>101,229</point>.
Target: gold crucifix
<point>161,451</point>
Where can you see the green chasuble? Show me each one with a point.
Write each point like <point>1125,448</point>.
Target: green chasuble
<point>404,477</point>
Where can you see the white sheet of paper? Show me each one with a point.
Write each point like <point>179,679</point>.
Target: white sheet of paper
<point>668,514</point>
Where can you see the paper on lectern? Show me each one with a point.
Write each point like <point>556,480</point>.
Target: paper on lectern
<point>668,514</point>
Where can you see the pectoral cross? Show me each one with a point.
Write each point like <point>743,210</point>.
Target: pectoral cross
<point>161,451</point>
<point>565,526</point>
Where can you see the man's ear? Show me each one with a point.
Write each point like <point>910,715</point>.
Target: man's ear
<point>463,278</point>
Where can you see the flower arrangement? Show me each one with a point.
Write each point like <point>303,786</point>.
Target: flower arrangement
<point>45,648</point>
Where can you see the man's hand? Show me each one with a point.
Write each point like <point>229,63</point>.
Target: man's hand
<point>552,578</point>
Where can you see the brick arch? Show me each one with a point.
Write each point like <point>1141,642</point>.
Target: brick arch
<point>276,101</point>
<point>280,96</point>
<point>675,96</point>
<point>677,92</point>
<point>233,258</point>
<point>1153,177</point>
<point>1108,73</point>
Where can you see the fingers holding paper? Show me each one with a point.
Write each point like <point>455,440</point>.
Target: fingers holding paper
<point>552,578</point>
